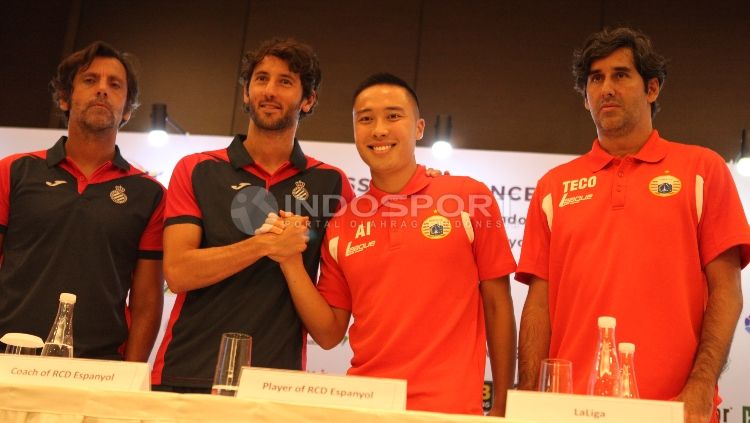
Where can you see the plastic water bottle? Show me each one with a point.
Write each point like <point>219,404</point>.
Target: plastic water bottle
<point>59,343</point>
<point>603,380</point>
<point>628,385</point>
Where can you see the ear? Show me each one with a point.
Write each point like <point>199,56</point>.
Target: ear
<point>586,102</point>
<point>126,116</point>
<point>420,129</point>
<point>652,90</point>
<point>245,93</point>
<point>63,105</point>
<point>309,102</point>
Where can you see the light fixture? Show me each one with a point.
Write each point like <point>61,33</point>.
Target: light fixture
<point>159,122</point>
<point>742,162</point>
<point>441,147</point>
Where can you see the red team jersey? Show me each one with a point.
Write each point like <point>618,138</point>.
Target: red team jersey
<point>408,267</point>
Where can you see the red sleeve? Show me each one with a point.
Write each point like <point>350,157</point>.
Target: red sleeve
<point>490,247</point>
<point>5,192</point>
<point>723,224</point>
<point>181,202</point>
<point>534,259</point>
<point>151,239</point>
<point>332,283</point>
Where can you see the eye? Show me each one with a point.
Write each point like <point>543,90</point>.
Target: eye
<point>394,116</point>
<point>260,78</point>
<point>364,119</point>
<point>287,82</point>
<point>89,79</point>
<point>116,85</point>
<point>621,75</point>
<point>596,77</point>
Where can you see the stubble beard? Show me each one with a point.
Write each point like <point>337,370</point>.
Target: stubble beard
<point>286,121</point>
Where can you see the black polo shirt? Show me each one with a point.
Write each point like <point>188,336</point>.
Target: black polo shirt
<point>66,233</point>
<point>256,300</point>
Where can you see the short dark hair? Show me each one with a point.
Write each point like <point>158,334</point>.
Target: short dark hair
<point>300,58</point>
<point>384,78</point>
<point>62,84</point>
<point>648,62</point>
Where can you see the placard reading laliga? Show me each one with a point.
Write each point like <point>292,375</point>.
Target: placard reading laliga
<point>74,372</point>
<point>568,408</point>
<point>320,389</point>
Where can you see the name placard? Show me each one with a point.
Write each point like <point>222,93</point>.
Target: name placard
<point>320,389</point>
<point>566,408</point>
<point>74,372</point>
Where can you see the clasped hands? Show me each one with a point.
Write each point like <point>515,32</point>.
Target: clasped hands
<point>289,233</point>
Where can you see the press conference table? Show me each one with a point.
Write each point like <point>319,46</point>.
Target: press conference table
<point>42,404</point>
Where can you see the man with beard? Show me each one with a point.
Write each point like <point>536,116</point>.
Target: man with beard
<point>226,276</point>
<point>78,218</point>
<point>646,230</point>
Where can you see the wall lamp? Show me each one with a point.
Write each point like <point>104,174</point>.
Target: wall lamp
<point>441,147</point>
<point>159,122</point>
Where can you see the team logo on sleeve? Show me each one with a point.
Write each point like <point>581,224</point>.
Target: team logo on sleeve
<point>118,195</point>
<point>300,192</point>
<point>436,227</point>
<point>665,186</point>
<point>55,183</point>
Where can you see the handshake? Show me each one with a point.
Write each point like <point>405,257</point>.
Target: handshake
<point>287,235</point>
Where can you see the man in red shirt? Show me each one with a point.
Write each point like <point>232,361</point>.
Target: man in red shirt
<point>646,230</point>
<point>421,263</point>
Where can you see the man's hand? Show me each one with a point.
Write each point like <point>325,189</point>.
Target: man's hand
<point>273,224</point>
<point>292,240</point>
<point>435,172</point>
<point>699,402</point>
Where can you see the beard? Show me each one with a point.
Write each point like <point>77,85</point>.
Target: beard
<point>97,119</point>
<point>285,121</point>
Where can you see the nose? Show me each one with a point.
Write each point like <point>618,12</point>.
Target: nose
<point>102,88</point>
<point>269,89</point>
<point>380,129</point>
<point>608,88</point>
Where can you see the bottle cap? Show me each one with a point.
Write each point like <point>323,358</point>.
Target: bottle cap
<point>68,298</point>
<point>608,322</point>
<point>626,347</point>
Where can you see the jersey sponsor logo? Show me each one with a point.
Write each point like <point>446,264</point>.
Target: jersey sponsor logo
<point>665,186</point>
<point>118,195</point>
<point>574,185</point>
<point>240,186</point>
<point>566,201</point>
<point>56,183</point>
<point>299,191</point>
<point>354,249</point>
<point>363,230</point>
<point>436,227</point>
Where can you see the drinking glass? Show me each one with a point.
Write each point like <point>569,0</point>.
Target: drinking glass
<point>234,352</point>
<point>556,375</point>
<point>21,343</point>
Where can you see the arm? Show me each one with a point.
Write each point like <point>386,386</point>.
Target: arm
<point>719,321</point>
<point>534,335</point>
<point>500,325</point>
<point>326,324</point>
<point>189,267</point>
<point>145,302</point>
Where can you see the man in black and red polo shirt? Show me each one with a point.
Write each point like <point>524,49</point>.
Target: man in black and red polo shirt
<point>226,276</point>
<point>78,218</point>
